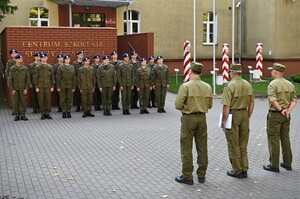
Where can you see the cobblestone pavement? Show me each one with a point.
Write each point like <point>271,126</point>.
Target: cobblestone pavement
<point>135,156</point>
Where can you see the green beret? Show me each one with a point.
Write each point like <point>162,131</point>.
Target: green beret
<point>278,67</point>
<point>197,67</point>
<point>236,67</point>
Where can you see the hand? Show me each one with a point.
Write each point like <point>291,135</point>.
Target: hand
<point>114,88</point>
<point>153,87</point>
<point>51,90</point>
<point>25,92</point>
<point>150,88</point>
<point>93,90</point>
<point>223,125</point>
<point>81,91</point>
<point>13,93</point>
<point>286,113</point>
<point>138,89</point>
<point>121,88</point>
<point>37,90</point>
<point>100,90</point>
<point>30,85</point>
<point>132,87</point>
<point>73,90</point>
<point>168,85</point>
<point>58,90</point>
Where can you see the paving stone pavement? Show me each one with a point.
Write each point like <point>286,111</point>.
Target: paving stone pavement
<point>135,156</point>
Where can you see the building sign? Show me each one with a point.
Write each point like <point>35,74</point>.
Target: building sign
<point>110,21</point>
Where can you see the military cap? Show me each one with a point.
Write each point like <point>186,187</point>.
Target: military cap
<point>79,52</point>
<point>236,67</point>
<point>44,55</point>
<point>142,59</point>
<point>197,67</point>
<point>13,51</point>
<point>86,59</point>
<point>60,56</point>
<point>67,56</point>
<point>37,54</point>
<point>159,57</point>
<point>113,52</point>
<point>96,56</point>
<point>105,57</point>
<point>125,55</point>
<point>278,67</point>
<point>18,56</point>
<point>151,57</point>
<point>133,53</point>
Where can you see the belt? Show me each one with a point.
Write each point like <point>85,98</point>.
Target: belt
<point>274,111</point>
<point>195,113</point>
<point>238,109</point>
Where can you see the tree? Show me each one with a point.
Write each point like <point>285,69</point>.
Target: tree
<point>6,9</point>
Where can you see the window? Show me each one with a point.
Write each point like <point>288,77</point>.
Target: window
<point>88,19</point>
<point>133,22</point>
<point>39,16</point>
<point>208,28</point>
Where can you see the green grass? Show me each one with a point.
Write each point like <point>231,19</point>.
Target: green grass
<point>260,89</point>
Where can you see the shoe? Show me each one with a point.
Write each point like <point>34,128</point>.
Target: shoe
<point>145,111</point>
<point>131,107</point>
<point>68,115</point>
<point>159,110</point>
<point>34,111</point>
<point>17,118</point>
<point>24,118</point>
<point>13,113</point>
<point>154,106</point>
<point>117,107</point>
<point>136,107</point>
<point>124,112</point>
<point>286,167</point>
<point>230,173</point>
<point>59,110</point>
<point>270,168</point>
<point>201,179</point>
<point>77,109</point>
<point>245,175</point>
<point>43,117</point>
<point>105,112</point>
<point>64,115</point>
<point>141,112</point>
<point>89,114</point>
<point>128,113</point>
<point>163,110</point>
<point>100,108</point>
<point>84,114</point>
<point>48,117</point>
<point>97,108</point>
<point>108,113</point>
<point>113,107</point>
<point>181,179</point>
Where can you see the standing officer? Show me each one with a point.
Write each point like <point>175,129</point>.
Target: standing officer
<point>151,65</point>
<point>18,82</point>
<point>238,100</point>
<point>135,94</point>
<point>77,64</point>
<point>193,100</point>
<point>282,99</point>
<point>86,85</point>
<point>143,84</point>
<point>32,71</point>
<point>44,82</point>
<point>97,98</point>
<point>65,83</point>
<point>107,83</point>
<point>116,94</point>
<point>160,81</point>
<point>126,83</point>
<point>60,61</point>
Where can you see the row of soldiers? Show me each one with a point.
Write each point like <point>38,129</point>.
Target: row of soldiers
<point>99,83</point>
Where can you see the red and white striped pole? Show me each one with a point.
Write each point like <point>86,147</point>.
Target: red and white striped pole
<point>259,59</point>
<point>187,60</point>
<point>225,62</point>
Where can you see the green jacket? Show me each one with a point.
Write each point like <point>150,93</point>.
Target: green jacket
<point>126,75</point>
<point>143,78</point>
<point>160,76</point>
<point>32,71</point>
<point>43,77</point>
<point>106,76</point>
<point>18,78</point>
<point>77,65</point>
<point>65,77</point>
<point>9,64</point>
<point>86,78</point>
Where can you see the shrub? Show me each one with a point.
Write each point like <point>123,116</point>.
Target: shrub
<point>296,77</point>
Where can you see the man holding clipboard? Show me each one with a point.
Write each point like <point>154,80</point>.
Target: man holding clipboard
<point>238,100</point>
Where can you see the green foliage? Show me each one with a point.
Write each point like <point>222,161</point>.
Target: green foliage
<point>6,9</point>
<point>296,78</point>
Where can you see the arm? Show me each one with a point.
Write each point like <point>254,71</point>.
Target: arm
<point>225,115</point>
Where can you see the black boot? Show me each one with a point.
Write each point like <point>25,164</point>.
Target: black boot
<point>105,112</point>
<point>128,113</point>
<point>90,114</point>
<point>69,115</point>
<point>64,115</point>
<point>108,113</point>
<point>124,112</point>
<point>17,118</point>
<point>24,118</point>
<point>78,109</point>
<point>84,114</point>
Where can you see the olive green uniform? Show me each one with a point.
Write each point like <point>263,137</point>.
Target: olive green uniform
<point>193,100</point>
<point>77,95</point>
<point>160,78</point>
<point>152,92</point>
<point>66,82</point>
<point>44,80</point>
<point>143,82</point>
<point>18,80</point>
<point>127,82</point>
<point>34,96</point>
<point>97,98</point>
<point>56,94</point>
<point>86,83</point>
<point>106,80</point>
<point>116,92</point>
<point>9,64</point>
<point>238,95</point>
<point>278,126</point>
<point>135,94</point>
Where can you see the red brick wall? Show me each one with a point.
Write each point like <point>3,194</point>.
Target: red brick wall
<point>28,40</point>
<point>143,43</point>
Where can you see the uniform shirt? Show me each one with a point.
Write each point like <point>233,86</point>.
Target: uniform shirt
<point>106,76</point>
<point>143,78</point>
<point>136,65</point>
<point>77,65</point>
<point>160,75</point>
<point>96,66</point>
<point>238,94</point>
<point>55,69</point>
<point>43,77</point>
<point>65,77</point>
<point>9,64</point>
<point>32,71</point>
<point>86,78</point>
<point>18,78</point>
<point>194,96</point>
<point>282,91</point>
<point>126,75</point>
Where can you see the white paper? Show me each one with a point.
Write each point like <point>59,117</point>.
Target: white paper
<point>228,121</point>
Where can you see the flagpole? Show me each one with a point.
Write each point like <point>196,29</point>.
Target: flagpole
<point>195,43</point>
<point>214,47</point>
<point>232,47</point>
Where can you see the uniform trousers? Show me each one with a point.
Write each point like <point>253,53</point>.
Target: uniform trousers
<point>126,97</point>
<point>160,95</point>
<point>66,99</point>
<point>97,98</point>
<point>144,97</point>
<point>278,128</point>
<point>106,97</point>
<point>116,95</point>
<point>193,126</point>
<point>87,99</point>
<point>44,99</point>
<point>34,99</point>
<point>19,103</point>
<point>237,140</point>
